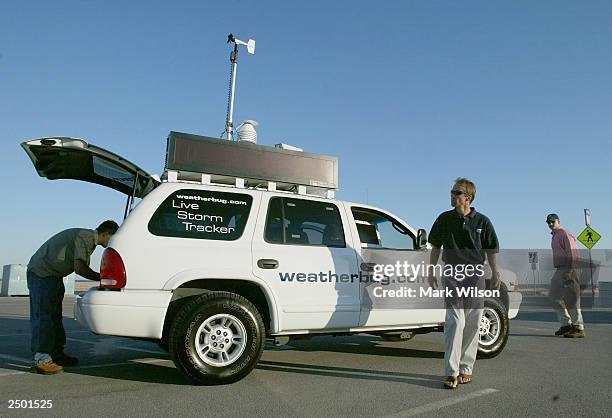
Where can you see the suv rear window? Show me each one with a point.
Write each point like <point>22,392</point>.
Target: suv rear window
<point>202,214</point>
<point>304,222</point>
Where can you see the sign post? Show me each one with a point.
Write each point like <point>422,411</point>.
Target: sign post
<point>587,217</point>
<point>589,238</point>
<point>533,260</point>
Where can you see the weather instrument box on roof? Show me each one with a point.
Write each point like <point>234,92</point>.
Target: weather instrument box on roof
<point>191,156</point>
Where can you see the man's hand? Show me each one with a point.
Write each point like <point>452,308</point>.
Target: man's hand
<point>84,270</point>
<point>569,276</point>
<point>433,260</point>
<point>433,282</point>
<point>495,280</point>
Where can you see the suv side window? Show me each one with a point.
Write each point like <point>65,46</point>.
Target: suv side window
<point>377,230</point>
<point>202,214</point>
<point>304,222</point>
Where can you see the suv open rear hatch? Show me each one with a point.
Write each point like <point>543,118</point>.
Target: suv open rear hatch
<point>73,158</point>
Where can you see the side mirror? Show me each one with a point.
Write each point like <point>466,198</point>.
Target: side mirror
<point>421,239</point>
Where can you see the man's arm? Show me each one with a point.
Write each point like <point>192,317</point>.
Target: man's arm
<point>435,239</point>
<point>84,245</point>
<point>491,246</point>
<point>84,270</point>
<point>433,260</point>
<point>495,281</point>
<point>569,257</point>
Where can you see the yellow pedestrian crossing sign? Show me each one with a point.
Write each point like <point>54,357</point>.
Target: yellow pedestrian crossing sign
<point>589,237</point>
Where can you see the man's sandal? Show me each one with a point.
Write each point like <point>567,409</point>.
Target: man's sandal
<point>450,382</point>
<point>464,378</point>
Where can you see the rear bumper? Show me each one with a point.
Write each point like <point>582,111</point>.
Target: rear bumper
<point>514,303</point>
<point>127,313</point>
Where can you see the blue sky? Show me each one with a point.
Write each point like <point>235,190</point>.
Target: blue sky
<point>408,94</point>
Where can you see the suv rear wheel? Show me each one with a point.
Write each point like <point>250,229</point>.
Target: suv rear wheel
<point>493,329</point>
<point>216,338</point>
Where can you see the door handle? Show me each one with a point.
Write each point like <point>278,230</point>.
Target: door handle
<point>267,263</point>
<point>368,266</point>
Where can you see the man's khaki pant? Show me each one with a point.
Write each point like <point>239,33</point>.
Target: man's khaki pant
<point>461,340</point>
<point>461,325</point>
<point>565,297</point>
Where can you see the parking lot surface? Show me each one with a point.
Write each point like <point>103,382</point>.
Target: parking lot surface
<point>538,374</point>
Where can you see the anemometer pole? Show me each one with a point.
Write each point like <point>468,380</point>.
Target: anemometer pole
<point>229,122</point>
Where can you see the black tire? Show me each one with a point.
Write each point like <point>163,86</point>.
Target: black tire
<point>198,310</point>
<point>163,344</point>
<point>494,308</point>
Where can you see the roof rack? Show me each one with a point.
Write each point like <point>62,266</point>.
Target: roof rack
<point>205,160</point>
<point>176,176</point>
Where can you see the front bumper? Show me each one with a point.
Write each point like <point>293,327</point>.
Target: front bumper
<point>128,313</point>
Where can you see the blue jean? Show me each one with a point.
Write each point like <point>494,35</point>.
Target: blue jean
<point>46,296</point>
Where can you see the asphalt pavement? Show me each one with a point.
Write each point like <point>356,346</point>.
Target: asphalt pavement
<point>538,374</point>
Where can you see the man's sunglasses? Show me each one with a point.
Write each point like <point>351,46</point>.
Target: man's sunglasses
<point>457,192</point>
<point>550,222</point>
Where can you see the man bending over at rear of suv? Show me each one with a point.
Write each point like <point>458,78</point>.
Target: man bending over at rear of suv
<point>63,254</point>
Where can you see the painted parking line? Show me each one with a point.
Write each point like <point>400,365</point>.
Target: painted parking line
<point>272,347</point>
<point>109,342</point>
<point>13,373</point>
<point>142,350</point>
<point>93,366</point>
<point>122,363</point>
<point>27,334</point>
<point>14,358</point>
<point>7,372</point>
<point>444,403</point>
<point>529,328</point>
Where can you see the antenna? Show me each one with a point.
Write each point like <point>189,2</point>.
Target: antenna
<point>229,123</point>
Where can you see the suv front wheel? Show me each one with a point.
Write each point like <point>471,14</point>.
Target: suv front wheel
<point>493,329</point>
<point>216,338</point>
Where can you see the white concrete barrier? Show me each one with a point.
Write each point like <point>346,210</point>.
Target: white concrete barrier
<point>518,262</point>
<point>605,286</point>
<point>15,282</point>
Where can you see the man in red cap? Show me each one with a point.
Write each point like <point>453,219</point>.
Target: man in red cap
<point>565,284</point>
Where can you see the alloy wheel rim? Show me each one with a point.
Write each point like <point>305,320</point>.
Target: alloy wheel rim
<point>489,328</point>
<point>220,340</point>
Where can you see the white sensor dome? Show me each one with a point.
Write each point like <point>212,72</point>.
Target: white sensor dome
<point>246,131</point>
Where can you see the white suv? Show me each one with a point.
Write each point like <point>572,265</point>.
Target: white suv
<point>210,271</point>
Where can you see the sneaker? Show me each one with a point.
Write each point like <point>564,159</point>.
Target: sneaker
<point>48,367</point>
<point>575,332</point>
<point>563,330</point>
<point>64,359</point>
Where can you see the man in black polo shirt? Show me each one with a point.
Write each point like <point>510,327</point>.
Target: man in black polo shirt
<point>466,237</point>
